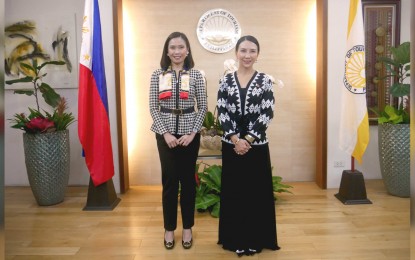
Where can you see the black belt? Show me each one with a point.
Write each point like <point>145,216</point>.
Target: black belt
<point>177,111</point>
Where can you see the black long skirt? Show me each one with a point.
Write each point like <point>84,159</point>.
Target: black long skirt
<point>247,209</point>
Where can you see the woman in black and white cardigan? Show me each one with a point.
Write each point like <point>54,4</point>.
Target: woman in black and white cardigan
<point>245,108</point>
<point>250,121</point>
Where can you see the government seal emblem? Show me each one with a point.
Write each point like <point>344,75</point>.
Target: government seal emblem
<point>218,30</point>
<point>355,73</point>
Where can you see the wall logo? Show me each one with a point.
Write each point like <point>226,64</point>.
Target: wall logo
<point>218,30</point>
<point>355,73</point>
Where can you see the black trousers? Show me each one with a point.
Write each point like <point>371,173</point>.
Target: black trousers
<point>178,166</point>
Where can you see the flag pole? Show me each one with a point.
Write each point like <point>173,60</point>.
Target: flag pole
<point>352,158</point>
<point>354,126</point>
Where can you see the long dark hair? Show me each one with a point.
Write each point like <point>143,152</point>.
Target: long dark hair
<point>249,38</point>
<point>165,60</point>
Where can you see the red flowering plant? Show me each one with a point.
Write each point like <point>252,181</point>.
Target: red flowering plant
<point>36,122</point>
<point>40,122</point>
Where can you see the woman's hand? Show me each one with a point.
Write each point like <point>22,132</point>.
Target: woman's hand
<point>185,140</point>
<point>171,140</point>
<point>242,147</point>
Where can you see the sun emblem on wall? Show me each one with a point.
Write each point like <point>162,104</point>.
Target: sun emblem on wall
<point>218,30</point>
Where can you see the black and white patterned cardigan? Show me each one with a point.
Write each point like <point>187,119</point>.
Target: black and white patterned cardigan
<point>186,123</point>
<point>259,106</point>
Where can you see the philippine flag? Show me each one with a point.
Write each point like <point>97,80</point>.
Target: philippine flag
<point>93,119</point>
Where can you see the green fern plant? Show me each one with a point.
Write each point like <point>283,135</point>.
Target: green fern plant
<point>208,179</point>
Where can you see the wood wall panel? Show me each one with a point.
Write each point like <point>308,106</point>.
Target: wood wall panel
<point>321,98</point>
<point>281,28</point>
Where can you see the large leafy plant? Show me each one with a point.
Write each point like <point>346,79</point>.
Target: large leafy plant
<point>34,76</point>
<point>211,124</point>
<point>398,68</point>
<point>208,188</point>
<point>208,179</point>
<point>36,121</point>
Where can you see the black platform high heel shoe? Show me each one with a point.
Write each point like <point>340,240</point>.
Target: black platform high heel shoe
<point>187,244</point>
<point>168,244</point>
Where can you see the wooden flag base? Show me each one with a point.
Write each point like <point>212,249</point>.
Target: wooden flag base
<point>101,197</point>
<point>352,188</point>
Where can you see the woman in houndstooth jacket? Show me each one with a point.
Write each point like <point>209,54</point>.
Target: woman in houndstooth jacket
<point>245,108</point>
<point>175,90</point>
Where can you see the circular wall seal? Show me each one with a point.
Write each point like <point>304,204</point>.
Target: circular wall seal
<point>218,30</point>
<point>354,74</point>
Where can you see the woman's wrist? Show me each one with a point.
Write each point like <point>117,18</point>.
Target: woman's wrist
<point>235,139</point>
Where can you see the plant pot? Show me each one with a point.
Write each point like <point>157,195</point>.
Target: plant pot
<point>211,142</point>
<point>394,158</point>
<point>47,161</point>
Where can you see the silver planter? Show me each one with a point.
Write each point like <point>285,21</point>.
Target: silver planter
<point>211,142</point>
<point>47,160</point>
<point>395,158</point>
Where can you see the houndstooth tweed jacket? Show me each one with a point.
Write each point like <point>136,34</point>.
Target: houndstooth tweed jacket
<point>178,124</point>
<point>258,109</point>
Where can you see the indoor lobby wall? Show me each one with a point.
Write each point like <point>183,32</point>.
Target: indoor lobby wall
<point>286,33</point>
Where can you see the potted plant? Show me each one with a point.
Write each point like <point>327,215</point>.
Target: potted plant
<point>393,124</point>
<point>45,137</point>
<point>208,180</point>
<point>211,133</point>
